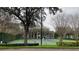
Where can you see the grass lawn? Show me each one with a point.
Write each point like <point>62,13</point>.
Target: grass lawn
<point>43,46</point>
<point>69,41</point>
<point>46,44</point>
<point>16,41</point>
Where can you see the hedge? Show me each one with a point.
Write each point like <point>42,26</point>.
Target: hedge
<point>21,44</point>
<point>68,43</point>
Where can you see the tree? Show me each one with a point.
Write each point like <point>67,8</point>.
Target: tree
<point>25,14</point>
<point>7,25</point>
<point>67,24</point>
<point>61,26</point>
<point>28,15</point>
<point>75,26</point>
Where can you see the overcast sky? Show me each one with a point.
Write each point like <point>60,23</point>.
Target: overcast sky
<point>66,10</point>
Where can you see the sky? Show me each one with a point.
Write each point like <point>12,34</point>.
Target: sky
<point>66,10</point>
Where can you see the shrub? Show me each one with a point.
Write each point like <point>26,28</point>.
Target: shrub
<point>21,44</point>
<point>68,44</point>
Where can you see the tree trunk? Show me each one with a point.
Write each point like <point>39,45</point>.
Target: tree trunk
<point>26,31</point>
<point>76,36</point>
<point>61,41</point>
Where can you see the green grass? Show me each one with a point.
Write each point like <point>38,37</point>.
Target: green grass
<point>35,41</point>
<point>17,41</point>
<point>44,42</point>
<point>69,41</point>
<point>49,44</point>
<point>44,46</point>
